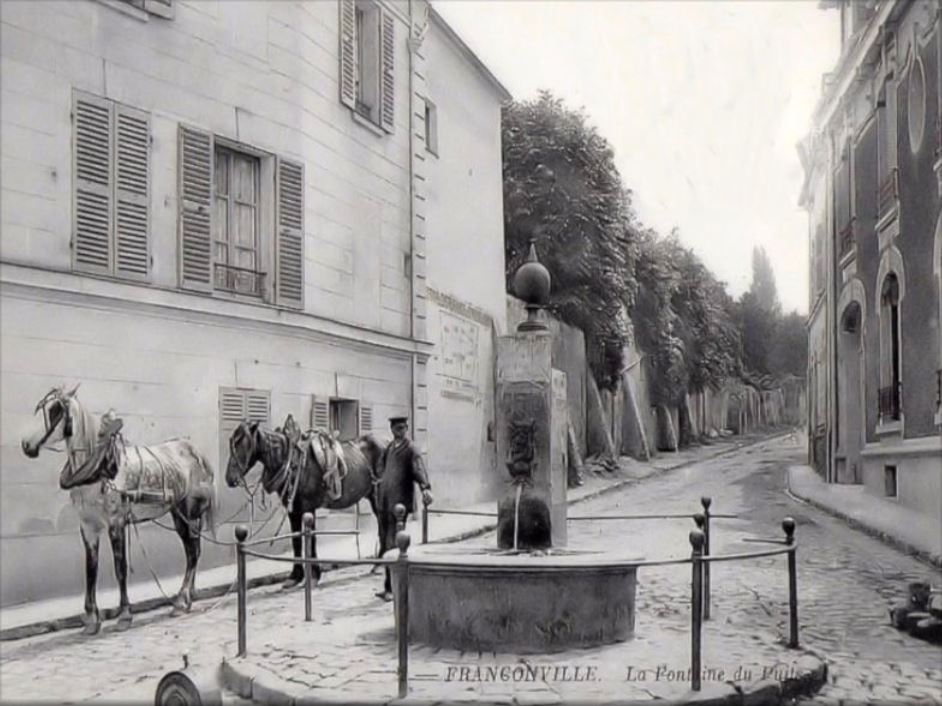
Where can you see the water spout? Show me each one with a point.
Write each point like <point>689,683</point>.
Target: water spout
<point>517,514</point>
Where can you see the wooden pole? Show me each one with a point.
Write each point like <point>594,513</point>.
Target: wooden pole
<point>307,524</point>
<point>241,534</point>
<point>788,524</point>
<point>706,501</point>
<point>696,607</point>
<point>402,611</point>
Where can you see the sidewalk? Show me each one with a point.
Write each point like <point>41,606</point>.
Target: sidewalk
<point>64,613</point>
<point>908,530</point>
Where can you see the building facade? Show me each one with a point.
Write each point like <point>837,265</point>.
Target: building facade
<point>219,210</point>
<point>873,191</point>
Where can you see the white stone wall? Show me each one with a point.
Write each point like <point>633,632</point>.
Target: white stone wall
<point>465,265</point>
<point>263,74</point>
<point>260,73</point>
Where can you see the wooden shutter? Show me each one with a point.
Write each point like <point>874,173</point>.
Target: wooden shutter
<point>93,197</point>
<point>366,419</point>
<point>258,406</point>
<point>196,180</point>
<point>238,405</point>
<point>320,413</point>
<point>132,154</point>
<point>231,409</point>
<point>289,247</point>
<point>348,54</point>
<point>387,79</point>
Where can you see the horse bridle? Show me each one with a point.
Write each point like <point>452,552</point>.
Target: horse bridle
<point>55,395</point>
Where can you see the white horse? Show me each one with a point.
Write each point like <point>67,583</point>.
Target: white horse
<point>113,485</point>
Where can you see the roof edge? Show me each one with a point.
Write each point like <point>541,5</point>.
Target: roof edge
<point>469,54</point>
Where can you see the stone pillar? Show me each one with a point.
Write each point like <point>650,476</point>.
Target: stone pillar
<point>532,395</point>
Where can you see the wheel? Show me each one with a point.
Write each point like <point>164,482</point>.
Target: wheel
<point>188,688</point>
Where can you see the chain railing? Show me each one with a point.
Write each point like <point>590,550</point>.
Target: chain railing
<point>700,560</point>
<point>701,519</point>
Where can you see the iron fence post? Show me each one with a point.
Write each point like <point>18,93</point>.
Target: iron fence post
<point>399,512</point>
<point>402,611</point>
<point>706,501</point>
<point>307,524</point>
<point>788,524</point>
<point>241,534</point>
<point>696,607</point>
<point>424,522</point>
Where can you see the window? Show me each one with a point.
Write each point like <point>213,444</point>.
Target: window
<point>366,37</point>
<point>842,204</point>
<point>916,105</point>
<point>886,153</point>
<point>111,175</point>
<point>367,61</point>
<point>889,350</point>
<point>240,221</point>
<point>346,416</point>
<point>431,127</point>
<point>236,223</point>
<point>889,481</point>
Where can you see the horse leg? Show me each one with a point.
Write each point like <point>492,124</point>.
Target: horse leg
<point>92,618</point>
<point>297,571</point>
<point>183,601</point>
<point>119,551</point>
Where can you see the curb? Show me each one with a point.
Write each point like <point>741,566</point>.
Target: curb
<point>244,679</point>
<point>75,621</point>
<point>895,542</point>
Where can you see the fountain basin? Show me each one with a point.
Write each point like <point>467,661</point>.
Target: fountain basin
<point>482,599</point>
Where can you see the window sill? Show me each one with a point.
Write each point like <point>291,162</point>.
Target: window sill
<point>894,427</point>
<point>367,123</point>
<point>123,7</point>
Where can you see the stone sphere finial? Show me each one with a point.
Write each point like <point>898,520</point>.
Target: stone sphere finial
<point>696,540</point>
<point>532,280</point>
<point>532,284</point>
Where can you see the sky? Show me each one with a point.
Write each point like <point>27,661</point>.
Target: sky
<point>703,101</point>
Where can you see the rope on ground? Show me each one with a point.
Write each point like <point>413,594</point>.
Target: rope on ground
<point>147,561</point>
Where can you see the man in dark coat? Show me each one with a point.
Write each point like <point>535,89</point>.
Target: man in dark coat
<point>401,466</point>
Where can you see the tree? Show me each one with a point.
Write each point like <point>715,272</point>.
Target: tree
<point>789,356</point>
<point>763,283</point>
<point>562,191</point>
<point>684,319</point>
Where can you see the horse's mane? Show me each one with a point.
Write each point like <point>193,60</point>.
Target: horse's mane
<point>84,427</point>
<point>372,445</point>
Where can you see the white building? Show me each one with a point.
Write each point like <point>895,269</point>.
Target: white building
<point>214,210</point>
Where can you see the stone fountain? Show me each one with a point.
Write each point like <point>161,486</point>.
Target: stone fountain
<point>531,593</point>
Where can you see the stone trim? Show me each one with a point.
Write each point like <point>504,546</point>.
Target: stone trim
<point>66,287</point>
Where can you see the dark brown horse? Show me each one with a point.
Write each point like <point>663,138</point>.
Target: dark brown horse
<point>298,479</point>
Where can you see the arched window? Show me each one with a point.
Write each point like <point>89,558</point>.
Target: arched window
<point>890,378</point>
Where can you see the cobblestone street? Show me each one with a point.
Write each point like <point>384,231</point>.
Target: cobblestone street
<point>847,580</point>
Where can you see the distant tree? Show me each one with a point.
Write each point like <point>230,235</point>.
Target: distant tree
<point>759,311</point>
<point>789,354</point>
<point>562,190</point>
<point>763,283</point>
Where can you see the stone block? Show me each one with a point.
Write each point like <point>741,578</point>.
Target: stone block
<point>761,693</point>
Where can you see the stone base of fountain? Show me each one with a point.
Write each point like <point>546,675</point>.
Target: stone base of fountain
<point>483,599</point>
